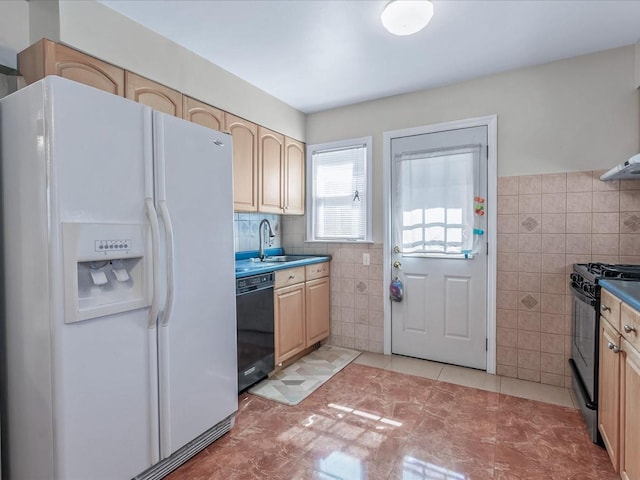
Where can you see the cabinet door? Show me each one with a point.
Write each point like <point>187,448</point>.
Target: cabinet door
<point>289,321</point>
<point>294,180</point>
<point>609,392</point>
<point>630,414</point>
<point>317,298</point>
<point>48,58</point>
<point>152,94</point>
<point>198,112</point>
<point>270,154</point>
<point>245,163</point>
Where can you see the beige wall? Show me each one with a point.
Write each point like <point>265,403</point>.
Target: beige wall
<point>637,72</point>
<point>95,29</point>
<point>92,27</point>
<point>14,25</point>
<point>571,115</point>
<point>546,223</point>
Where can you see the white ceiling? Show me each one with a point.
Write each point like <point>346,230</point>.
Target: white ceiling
<point>320,54</point>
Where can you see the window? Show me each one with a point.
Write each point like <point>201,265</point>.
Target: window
<point>339,191</point>
<point>435,201</point>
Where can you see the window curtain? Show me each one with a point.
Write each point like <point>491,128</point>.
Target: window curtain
<point>434,204</point>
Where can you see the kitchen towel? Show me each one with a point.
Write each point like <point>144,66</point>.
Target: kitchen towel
<point>296,382</point>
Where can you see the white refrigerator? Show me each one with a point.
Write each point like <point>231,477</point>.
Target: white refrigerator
<point>120,331</point>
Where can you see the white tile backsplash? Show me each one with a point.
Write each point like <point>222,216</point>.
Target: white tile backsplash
<point>245,230</point>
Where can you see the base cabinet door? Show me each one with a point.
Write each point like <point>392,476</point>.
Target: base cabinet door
<point>630,414</point>
<point>318,322</point>
<point>289,311</point>
<point>609,391</point>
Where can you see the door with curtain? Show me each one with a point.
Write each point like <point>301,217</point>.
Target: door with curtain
<point>438,221</point>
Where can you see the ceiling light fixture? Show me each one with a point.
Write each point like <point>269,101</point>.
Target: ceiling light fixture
<point>406,17</point>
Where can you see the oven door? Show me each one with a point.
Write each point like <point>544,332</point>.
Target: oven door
<point>584,343</point>
<point>584,358</point>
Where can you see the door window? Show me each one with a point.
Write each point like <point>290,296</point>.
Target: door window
<point>435,201</point>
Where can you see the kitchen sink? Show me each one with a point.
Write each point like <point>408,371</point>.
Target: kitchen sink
<point>280,259</point>
<point>249,266</point>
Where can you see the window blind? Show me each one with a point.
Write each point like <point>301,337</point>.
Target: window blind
<point>339,193</point>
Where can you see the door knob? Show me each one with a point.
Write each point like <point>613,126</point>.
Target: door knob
<point>397,264</point>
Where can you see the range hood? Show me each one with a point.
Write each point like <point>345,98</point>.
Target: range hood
<point>629,170</point>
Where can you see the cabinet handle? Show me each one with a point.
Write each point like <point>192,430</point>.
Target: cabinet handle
<point>614,347</point>
<point>604,308</point>
<point>291,277</point>
<point>629,329</point>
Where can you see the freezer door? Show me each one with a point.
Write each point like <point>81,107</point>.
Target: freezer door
<point>197,331</point>
<point>105,368</point>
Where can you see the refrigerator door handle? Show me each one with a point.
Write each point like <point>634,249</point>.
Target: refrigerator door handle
<point>155,245</point>
<point>166,219</point>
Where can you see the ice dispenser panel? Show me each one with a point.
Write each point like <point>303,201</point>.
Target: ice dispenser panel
<point>107,269</point>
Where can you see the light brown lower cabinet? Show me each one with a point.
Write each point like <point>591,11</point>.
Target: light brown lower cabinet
<point>609,392</point>
<point>630,413</point>
<point>289,311</point>
<point>619,389</point>
<point>317,303</point>
<point>301,309</point>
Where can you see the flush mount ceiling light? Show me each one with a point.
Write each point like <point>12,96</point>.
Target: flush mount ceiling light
<point>406,17</point>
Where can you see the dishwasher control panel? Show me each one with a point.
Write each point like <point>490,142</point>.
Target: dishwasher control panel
<point>255,282</point>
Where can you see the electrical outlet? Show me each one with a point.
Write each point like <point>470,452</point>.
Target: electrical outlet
<point>366,259</point>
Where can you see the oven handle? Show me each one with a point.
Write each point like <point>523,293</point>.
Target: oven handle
<point>583,390</point>
<point>582,297</point>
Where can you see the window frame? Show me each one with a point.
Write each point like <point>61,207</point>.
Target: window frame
<point>311,210</point>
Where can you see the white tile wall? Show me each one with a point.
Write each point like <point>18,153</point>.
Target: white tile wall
<point>245,230</point>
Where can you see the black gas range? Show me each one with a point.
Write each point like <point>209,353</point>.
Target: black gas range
<point>585,313</point>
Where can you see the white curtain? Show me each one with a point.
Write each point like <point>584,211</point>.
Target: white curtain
<point>434,204</point>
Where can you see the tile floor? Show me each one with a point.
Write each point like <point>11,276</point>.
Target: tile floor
<point>470,378</point>
<point>372,422</point>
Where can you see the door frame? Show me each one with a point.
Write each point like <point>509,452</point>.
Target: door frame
<point>491,122</point>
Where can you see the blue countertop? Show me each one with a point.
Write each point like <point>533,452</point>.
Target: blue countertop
<point>247,264</point>
<point>626,290</point>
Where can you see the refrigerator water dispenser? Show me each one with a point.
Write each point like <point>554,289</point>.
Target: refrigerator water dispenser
<point>106,269</point>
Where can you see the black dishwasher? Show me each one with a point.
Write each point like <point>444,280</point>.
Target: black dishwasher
<point>254,306</point>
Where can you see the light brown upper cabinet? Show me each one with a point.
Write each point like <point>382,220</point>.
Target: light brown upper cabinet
<point>198,112</point>
<point>48,58</point>
<point>270,159</point>
<point>152,94</point>
<point>245,162</point>
<point>293,177</point>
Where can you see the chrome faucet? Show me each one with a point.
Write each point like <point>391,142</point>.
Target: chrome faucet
<point>271,236</point>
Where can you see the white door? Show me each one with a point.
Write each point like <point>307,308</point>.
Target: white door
<point>438,221</point>
<point>197,331</point>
